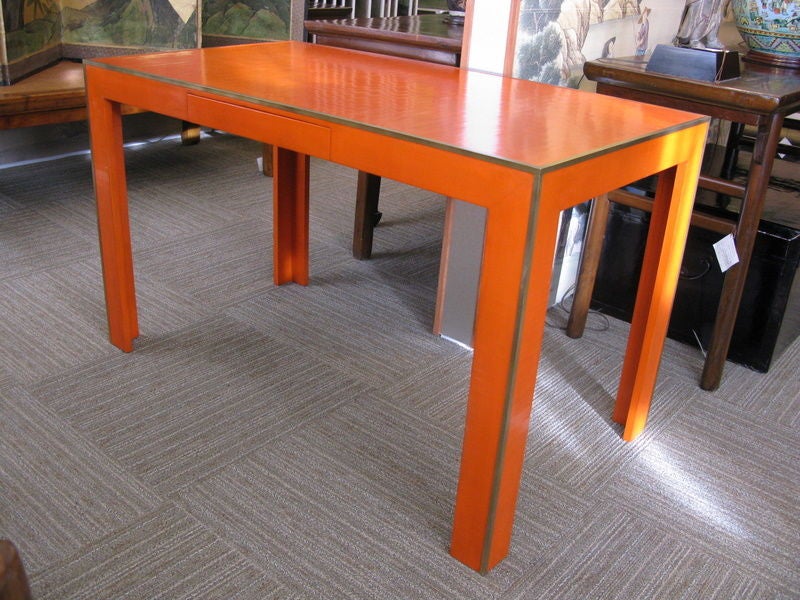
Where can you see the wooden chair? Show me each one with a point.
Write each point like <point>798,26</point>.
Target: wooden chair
<point>329,9</point>
<point>13,580</point>
<point>393,8</point>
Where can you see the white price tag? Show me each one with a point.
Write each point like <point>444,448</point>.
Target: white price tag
<point>726,252</point>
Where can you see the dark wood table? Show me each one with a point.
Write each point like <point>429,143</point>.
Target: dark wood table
<point>762,96</point>
<point>54,95</point>
<point>431,38</point>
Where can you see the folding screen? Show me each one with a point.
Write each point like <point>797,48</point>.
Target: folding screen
<point>37,33</point>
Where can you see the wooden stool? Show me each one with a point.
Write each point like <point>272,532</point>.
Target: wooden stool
<point>13,581</point>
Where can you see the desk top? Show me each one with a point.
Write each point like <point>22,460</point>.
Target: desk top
<point>522,124</point>
<point>759,88</point>
<point>430,31</point>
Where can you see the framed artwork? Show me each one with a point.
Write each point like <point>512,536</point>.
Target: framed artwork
<point>30,37</point>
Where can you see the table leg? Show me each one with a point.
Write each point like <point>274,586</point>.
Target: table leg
<point>108,167</point>
<point>666,240</point>
<point>731,151</point>
<point>266,159</point>
<point>190,133</point>
<point>367,195</point>
<point>590,261</point>
<point>509,324</point>
<point>766,145</point>
<point>290,186</point>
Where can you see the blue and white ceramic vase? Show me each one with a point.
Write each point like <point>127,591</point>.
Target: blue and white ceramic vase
<point>771,29</point>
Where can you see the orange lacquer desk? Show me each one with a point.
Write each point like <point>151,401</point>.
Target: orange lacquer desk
<point>525,151</point>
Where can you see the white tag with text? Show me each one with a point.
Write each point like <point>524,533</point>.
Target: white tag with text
<point>726,252</point>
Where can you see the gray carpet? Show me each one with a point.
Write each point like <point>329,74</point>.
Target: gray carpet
<point>304,442</point>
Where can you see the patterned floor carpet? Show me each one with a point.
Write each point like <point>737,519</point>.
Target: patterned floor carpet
<point>304,442</point>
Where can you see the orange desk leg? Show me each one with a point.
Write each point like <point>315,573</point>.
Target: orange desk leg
<point>290,216</point>
<point>108,164</point>
<point>669,227</point>
<point>509,325</point>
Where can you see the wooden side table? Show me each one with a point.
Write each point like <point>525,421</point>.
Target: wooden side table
<point>54,95</point>
<point>430,38</point>
<point>761,97</point>
<point>57,94</point>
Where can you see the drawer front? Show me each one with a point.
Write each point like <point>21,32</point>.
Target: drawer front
<point>284,132</point>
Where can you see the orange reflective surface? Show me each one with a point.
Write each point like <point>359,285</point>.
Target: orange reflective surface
<point>523,150</point>
<point>519,121</point>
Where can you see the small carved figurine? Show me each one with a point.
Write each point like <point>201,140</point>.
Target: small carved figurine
<point>700,24</point>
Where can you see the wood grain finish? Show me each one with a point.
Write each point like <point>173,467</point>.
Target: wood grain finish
<point>759,89</point>
<point>58,87</point>
<point>54,95</point>
<point>496,142</point>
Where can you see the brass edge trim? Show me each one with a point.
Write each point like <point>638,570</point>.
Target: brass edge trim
<point>520,166</point>
<point>622,145</point>
<point>530,239</point>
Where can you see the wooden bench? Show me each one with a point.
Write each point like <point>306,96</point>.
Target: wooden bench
<point>57,94</point>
